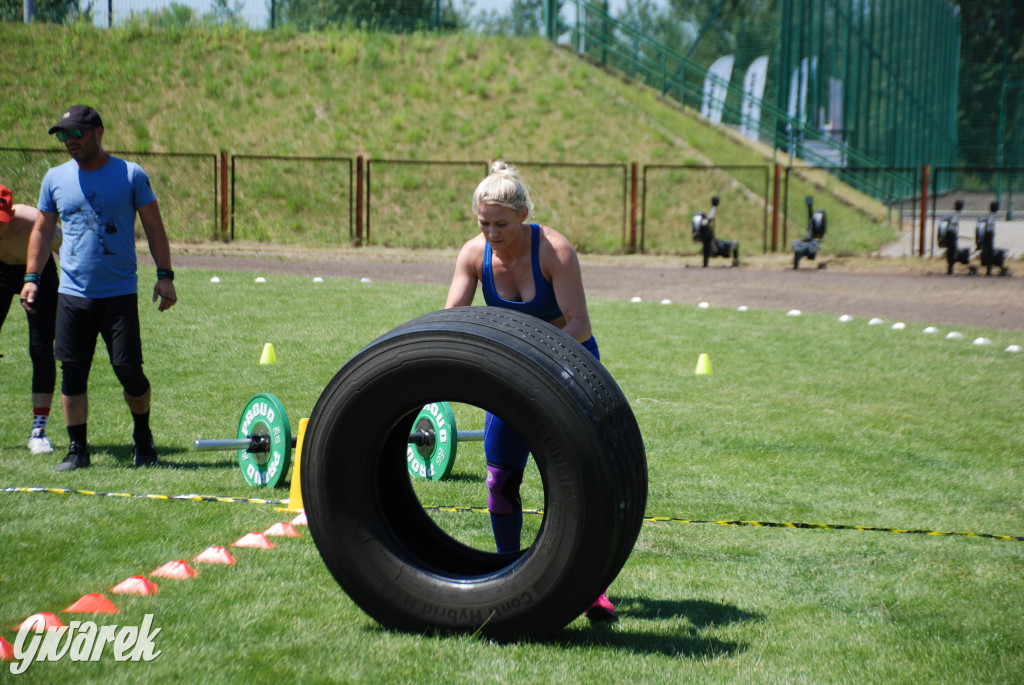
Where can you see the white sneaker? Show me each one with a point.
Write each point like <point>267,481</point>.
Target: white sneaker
<point>38,443</point>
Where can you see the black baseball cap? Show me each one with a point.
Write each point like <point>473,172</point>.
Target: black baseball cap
<point>78,117</point>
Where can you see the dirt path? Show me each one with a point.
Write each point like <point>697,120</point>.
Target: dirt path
<point>890,289</point>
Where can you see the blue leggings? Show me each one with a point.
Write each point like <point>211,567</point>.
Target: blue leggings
<point>507,454</point>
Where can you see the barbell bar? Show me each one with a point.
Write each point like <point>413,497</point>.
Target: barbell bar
<point>261,443</point>
<point>265,443</point>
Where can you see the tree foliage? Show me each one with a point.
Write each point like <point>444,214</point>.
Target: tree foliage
<point>712,28</point>
<point>523,18</point>
<point>51,11</point>
<point>992,82</point>
<point>393,15</point>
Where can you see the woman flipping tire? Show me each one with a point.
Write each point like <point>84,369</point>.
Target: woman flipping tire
<point>372,531</point>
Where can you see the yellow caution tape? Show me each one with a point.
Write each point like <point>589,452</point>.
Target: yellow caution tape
<point>483,510</point>
<point>775,524</point>
<point>190,497</point>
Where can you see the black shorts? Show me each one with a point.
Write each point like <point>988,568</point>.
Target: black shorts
<point>80,319</point>
<point>41,324</point>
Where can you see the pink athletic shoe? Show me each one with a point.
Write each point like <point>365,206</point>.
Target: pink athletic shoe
<point>602,609</point>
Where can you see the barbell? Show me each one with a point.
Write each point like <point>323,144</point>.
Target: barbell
<point>265,442</point>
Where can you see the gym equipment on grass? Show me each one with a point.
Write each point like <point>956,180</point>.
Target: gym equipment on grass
<point>817,223</point>
<point>984,241</point>
<point>948,235</point>
<point>265,442</point>
<point>704,232</point>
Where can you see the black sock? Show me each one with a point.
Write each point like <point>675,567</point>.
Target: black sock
<point>77,434</point>
<point>142,432</point>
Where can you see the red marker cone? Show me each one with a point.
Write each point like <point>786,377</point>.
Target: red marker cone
<point>50,620</point>
<point>258,540</point>
<point>6,650</point>
<point>282,530</point>
<point>92,604</point>
<point>300,520</point>
<point>214,555</point>
<point>136,585</point>
<point>175,569</point>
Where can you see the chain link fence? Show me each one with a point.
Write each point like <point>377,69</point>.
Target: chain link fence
<point>603,208</point>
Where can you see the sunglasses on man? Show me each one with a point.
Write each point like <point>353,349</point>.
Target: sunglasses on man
<point>63,135</point>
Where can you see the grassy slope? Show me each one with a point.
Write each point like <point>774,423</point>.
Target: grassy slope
<point>454,97</point>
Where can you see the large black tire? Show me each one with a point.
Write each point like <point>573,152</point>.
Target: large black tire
<point>372,531</point>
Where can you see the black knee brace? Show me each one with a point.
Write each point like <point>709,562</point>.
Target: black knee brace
<point>132,379</point>
<point>503,490</point>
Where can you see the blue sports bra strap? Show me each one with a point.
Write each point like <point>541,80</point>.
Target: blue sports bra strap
<point>538,276</point>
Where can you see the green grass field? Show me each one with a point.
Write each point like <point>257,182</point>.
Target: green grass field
<point>804,420</point>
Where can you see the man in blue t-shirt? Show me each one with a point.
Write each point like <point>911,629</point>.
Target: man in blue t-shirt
<point>97,197</point>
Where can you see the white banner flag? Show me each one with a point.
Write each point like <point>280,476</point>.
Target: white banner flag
<point>798,88</point>
<point>797,106</point>
<point>835,107</point>
<point>716,85</point>
<point>753,92</point>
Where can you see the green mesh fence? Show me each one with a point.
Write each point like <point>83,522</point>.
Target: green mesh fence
<point>849,84</point>
<point>991,110</point>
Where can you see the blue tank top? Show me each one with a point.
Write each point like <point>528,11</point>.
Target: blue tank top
<point>543,305</point>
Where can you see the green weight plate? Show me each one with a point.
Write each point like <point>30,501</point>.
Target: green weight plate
<point>264,415</point>
<point>434,460</point>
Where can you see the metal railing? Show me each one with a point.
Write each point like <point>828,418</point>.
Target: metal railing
<point>604,208</point>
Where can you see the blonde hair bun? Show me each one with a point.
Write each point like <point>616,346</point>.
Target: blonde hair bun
<point>502,187</point>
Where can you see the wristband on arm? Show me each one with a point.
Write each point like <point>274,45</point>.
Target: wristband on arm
<point>164,273</point>
<point>32,278</point>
